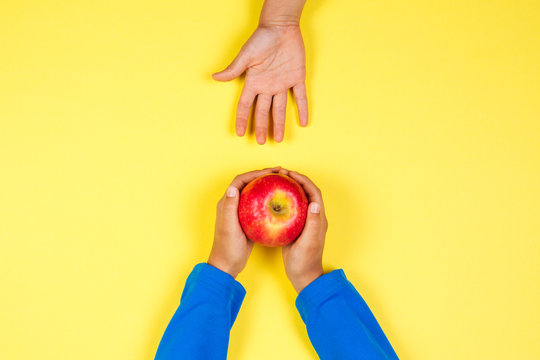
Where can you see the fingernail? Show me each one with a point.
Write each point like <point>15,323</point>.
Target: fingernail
<point>232,191</point>
<point>240,131</point>
<point>261,136</point>
<point>314,208</point>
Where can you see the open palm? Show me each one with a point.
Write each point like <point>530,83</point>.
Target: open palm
<point>274,61</point>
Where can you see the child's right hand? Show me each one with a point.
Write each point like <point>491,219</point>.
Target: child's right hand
<point>303,257</point>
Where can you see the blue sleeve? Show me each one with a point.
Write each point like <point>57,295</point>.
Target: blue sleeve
<point>339,322</point>
<point>201,325</point>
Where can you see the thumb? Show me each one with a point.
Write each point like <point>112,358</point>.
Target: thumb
<point>312,227</point>
<point>230,204</point>
<point>234,70</point>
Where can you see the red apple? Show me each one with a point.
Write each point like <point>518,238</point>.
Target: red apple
<point>272,210</point>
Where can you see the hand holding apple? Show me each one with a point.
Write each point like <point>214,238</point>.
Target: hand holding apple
<point>303,258</point>
<point>231,249</point>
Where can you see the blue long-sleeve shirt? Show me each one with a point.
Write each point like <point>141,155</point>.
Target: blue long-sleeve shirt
<point>339,322</point>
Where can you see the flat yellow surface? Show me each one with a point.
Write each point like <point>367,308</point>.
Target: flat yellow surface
<point>115,145</point>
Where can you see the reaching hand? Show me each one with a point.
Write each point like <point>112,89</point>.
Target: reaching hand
<point>231,248</point>
<point>303,258</point>
<point>274,61</point>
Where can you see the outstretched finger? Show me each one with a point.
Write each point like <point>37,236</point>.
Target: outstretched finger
<point>279,107</point>
<point>262,110</point>
<point>243,109</point>
<point>301,102</point>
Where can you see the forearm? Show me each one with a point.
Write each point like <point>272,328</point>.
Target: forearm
<point>201,325</point>
<point>339,322</point>
<point>281,12</point>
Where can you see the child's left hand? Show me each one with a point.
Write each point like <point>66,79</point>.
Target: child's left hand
<point>231,247</point>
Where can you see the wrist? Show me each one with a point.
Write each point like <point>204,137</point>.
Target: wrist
<point>223,266</point>
<point>300,282</point>
<point>282,31</point>
<point>281,13</point>
<point>279,21</point>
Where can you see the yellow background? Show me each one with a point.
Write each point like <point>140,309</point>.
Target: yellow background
<point>115,145</point>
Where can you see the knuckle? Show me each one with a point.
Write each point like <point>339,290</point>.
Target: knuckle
<point>300,95</point>
<point>241,121</point>
<point>229,204</point>
<point>224,232</point>
<point>243,104</point>
<point>311,247</point>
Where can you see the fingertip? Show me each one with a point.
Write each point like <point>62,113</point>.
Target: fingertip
<point>314,208</point>
<point>272,169</point>
<point>240,130</point>
<point>225,75</point>
<point>232,192</point>
<point>218,76</point>
<point>241,121</point>
<point>303,115</point>
<point>261,138</point>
